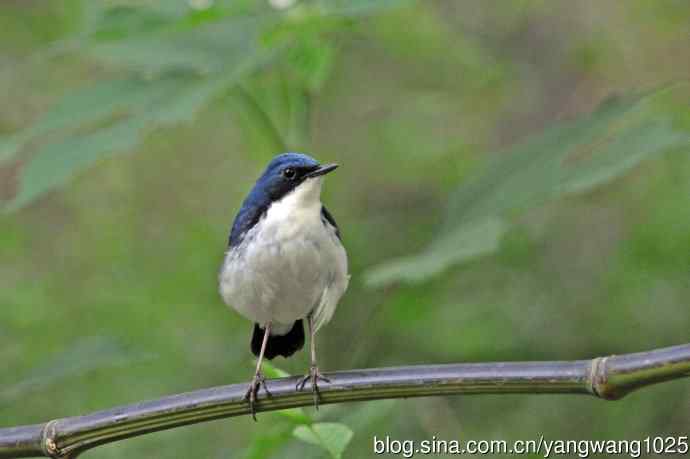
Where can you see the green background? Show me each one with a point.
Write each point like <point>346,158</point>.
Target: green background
<point>108,290</point>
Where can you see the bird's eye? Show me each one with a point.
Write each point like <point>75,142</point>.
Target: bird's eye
<point>289,172</point>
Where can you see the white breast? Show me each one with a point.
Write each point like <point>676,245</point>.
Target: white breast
<point>288,265</point>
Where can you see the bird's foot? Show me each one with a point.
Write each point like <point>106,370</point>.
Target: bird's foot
<point>314,376</point>
<point>257,381</point>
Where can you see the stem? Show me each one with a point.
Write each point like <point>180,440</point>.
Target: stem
<point>261,119</point>
<point>300,119</point>
<point>608,378</point>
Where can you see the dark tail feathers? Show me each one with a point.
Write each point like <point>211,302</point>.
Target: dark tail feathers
<point>284,345</point>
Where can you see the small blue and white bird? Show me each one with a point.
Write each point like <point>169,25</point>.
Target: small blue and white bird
<point>285,263</point>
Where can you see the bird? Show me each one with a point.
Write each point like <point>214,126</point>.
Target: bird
<point>285,265</point>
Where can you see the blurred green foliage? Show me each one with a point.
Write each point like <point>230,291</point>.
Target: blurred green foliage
<point>108,264</point>
<point>567,159</point>
<point>171,63</point>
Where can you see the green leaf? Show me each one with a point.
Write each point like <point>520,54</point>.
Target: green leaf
<point>568,158</point>
<point>272,371</point>
<point>9,147</point>
<point>296,415</point>
<point>208,47</point>
<point>54,164</point>
<point>331,436</point>
<point>98,104</point>
<point>137,106</point>
<point>92,104</point>
<point>484,235</point>
<point>122,21</point>
<point>185,57</point>
<point>361,7</point>
<point>266,443</point>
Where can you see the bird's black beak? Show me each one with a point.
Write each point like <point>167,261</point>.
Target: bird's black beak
<point>322,170</point>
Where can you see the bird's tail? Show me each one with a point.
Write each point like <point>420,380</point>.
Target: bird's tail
<point>284,345</point>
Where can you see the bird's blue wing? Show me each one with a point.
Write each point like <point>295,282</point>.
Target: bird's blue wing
<point>328,218</point>
<point>248,216</point>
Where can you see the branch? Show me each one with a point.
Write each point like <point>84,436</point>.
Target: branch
<point>608,378</point>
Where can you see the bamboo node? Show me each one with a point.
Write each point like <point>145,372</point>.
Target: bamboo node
<point>49,444</point>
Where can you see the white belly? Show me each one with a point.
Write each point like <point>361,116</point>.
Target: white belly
<point>288,266</point>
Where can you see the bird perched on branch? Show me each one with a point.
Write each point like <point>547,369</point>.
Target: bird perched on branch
<point>285,264</point>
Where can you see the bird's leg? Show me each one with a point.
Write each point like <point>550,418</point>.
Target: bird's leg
<point>314,374</point>
<point>258,380</point>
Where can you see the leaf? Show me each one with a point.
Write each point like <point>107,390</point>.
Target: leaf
<point>568,158</point>
<point>331,436</point>
<point>207,47</point>
<point>97,103</point>
<point>88,105</point>
<point>296,415</point>
<point>139,104</point>
<point>122,21</point>
<point>485,235</point>
<point>9,146</point>
<point>184,58</point>
<point>265,444</point>
<point>85,355</point>
<point>273,371</point>
<point>57,162</point>
<point>356,8</point>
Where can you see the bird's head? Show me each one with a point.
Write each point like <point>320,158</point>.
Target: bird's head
<point>291,171</point>
<point>292,175</point>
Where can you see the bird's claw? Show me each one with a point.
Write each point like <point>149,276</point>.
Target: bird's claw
<point>314,376</point>
<point>258,381</point>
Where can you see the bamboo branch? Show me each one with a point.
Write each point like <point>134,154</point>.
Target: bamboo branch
<point>608,378</point>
